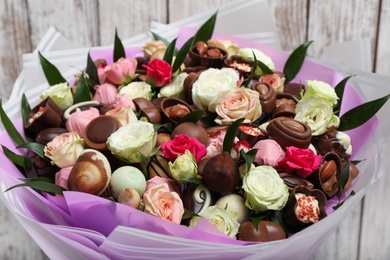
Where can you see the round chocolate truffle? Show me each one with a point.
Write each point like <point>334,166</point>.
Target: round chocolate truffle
<point>99,129</point>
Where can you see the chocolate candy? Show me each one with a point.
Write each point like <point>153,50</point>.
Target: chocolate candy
<point>243,66</point>
<point>214,57</point>
<point>294,89</point>
<point>192,130</point>
<point>292,181</point>
<point>48,134</point>
<point>249,133</point>
<point>285,105</point>
<point>267,96</point>
<point>329,142</point>
<point>353,173</point>
<point>148,109</point>
<point>45,115</point>
<point>266,231</point>
<point>173,109</point>
<point>98,131</point>
<point>289,132</point>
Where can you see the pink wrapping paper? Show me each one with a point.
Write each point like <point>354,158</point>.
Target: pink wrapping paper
<point>89,212</point>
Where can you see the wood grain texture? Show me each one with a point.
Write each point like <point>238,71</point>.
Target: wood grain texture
<point>383,52</point>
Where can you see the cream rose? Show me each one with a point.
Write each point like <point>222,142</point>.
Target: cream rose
<point>184,166</point>
<point>154,49</point>
<point>247,53</point>
<point>225,221</point>
<point>275,80</point>
<point>64,149</point>
<point>125,115</point>
<point>174,88</point>
<point>264,189</point>
<point>136,90</point>
<point>241,103</point>
<point>61,94</point>
<point>212,87</point>
<point>162,203</point>
<point>317,88</point>
<point>317,113</point>
<point>133,141</point>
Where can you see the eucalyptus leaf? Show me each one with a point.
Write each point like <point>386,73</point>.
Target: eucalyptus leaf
<point>34,147</point>
<point>40,185</point>
<point>82,90</point>
<point>192,180</point>
<point>168,55</point>
<point>295,61</point>
<point>339,89</point>
<point>231,134</point>
<point>206,30</point>
<point>91,70</point>
<point>193,116</point>
<point>264,68</point>
<point>182,54</point>
<point>9,127</point>
<point>119,50</point>
<point>15,158</point>
<point>52,74</point>
<point>361,114</point>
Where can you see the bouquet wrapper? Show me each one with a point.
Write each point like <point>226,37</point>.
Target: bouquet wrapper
<point>86,226</point>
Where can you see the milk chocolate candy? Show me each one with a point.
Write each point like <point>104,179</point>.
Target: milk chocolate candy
<point>289,132</point>
<point>294,89</point>
<point>292,181</point>
<point>148,109</point>
<point>45,115</point>
<point>48,134</point>
<point>285,105</point>
<point>266,231</point>
<point>329,142</point>
<point>98,130</point>
<point>267,96</point>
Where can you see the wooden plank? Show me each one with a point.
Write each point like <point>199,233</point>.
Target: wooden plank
<point>383,51</point>
<point>14,40</point>
<point>130,17</point>
<point>291,21</point>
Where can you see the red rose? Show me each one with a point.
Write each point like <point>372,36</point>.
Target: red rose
<point>179,144</point>
<point>160,71</point>
<point>303,161</point>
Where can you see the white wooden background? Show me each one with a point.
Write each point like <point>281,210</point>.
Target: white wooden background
<point>365,232</point>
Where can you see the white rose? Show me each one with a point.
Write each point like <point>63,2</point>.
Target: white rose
<point>133,141</point>
<point>64,149</point>
<point>184,166</point>
<point>136,90</point>
<point>264,189</point>
<point>246,53</point>
<point>125,115</point>
<point>316,112</point>
<point>174,88</point>
<point>61,94</point>
<point>212,87</point>
<point>316,88</point>
<point>225,221</point>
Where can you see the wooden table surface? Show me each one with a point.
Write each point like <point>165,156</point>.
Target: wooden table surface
<point>364,234</point>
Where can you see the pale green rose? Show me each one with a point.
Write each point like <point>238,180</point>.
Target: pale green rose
<point>246,53</point>
<point>212,86</point>
<point>316,112</point>
<point>184,166</point>
<point>174,88</point>
<point>225,221</point>
<point>317,88</point>
<point>61,94</point>
<point>136,90</point>
<point>132,142</point>
<point>264,189</point>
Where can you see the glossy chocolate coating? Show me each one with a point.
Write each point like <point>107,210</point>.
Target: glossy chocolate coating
<point>207,61</point>
<point>285,105</point>
<point>192,130</point>
<point>289,132</point>
<point>148,109</point>
<point>267,96</point>
<point>98,130</point>
<point>50,117</point>
<point>266,231</point>
<point>171,107</point>
<point>294,89</point>
<point>292,181</point>
<point>48,134</point>
<point>329,142</point>
<point>236,59</point>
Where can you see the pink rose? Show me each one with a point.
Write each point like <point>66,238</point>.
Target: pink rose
<point>179,144</point>
<point>64,149</point>
<point>102,74</point>
<point>124,101</point>
<point>78,121</point>
<point>215,146</point>
<point>303,161</point>
<point>162,203</point>
<point>173,185</point>
<point>125,115</point>
<point>61,177</point>
<point>269,153</point>
<point>105,93</point>
<point>240,103</point>
<point>160,71</point>
<point>276,80</point>
<point>121,71</point>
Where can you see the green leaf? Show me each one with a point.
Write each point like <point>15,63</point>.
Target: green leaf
<point>209,118</point>
<point>34,147</point>
<point>252,74</point>
<point>342,202</point>
<point>91,70</point>
<point>361,114</point>
<point>206,30</point>
<point>231,134</point>
<point>256,218</point>
<point>9,127</point>
<point>119,50</point>
<point>339,89</point>
<point>157,37</point>
<point>264,68</point>
<point>344,176</point>
<point>189,214</point>
<point>167,126</point>
<point>249,157</point>
<point>52,74</point>
<point>168,55</point>
<point>15,158</point>
<point>355,162</point>
<point>29,166</point>
<point>82,90</point>
<point>192,180</point>
<point>277,217</point>
<point>295,61</point>
<point>182,54</point>
<point>39,184</point>
<point>25,109</point>
<point>193,116</point>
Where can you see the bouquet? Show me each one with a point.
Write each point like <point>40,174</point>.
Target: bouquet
<point>212,142</point>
